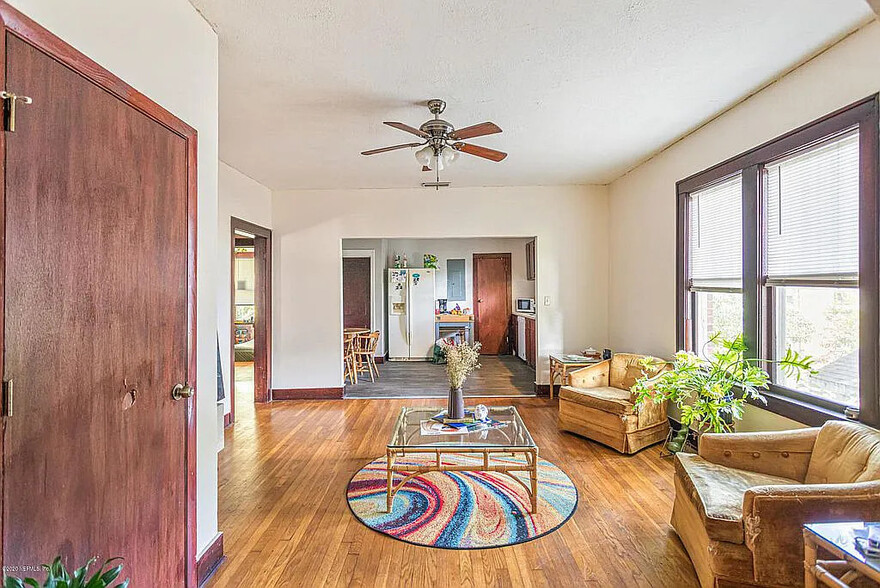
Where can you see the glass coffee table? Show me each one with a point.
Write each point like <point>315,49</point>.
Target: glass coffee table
<point>407,438</point>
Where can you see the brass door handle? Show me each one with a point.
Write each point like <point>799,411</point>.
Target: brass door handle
<point>181,391</point>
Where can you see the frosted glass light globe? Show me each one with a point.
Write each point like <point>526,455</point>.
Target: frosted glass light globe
<point>424,155</point>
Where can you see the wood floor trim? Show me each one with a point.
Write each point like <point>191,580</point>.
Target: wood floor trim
<point>542,389</point>
<point>334,393</point>
<point>210,560</point>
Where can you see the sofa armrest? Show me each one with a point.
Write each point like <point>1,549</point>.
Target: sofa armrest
<point>594,376</point>
<point>773,517</point>
<point>783,453</point>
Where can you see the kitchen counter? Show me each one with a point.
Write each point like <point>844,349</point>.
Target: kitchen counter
<point>527,315</point>
<point>454,318</point>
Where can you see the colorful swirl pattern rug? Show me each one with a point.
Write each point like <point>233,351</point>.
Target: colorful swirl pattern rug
<point>462,510</point>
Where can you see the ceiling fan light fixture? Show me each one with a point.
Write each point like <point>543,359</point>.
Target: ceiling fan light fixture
<point>449,156</point>
<point>423,155</point>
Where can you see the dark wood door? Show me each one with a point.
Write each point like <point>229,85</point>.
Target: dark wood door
<point>356,296</point>
<point>96,328</point>
<point>492,305</point>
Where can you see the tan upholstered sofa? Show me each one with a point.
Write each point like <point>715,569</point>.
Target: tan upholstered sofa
<point>598,404</point>
<point>740,503</point>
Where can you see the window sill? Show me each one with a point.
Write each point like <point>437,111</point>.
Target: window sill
<point>797,410</point>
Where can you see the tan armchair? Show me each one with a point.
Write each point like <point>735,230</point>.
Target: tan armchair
<point>740,503</point>
<point>598,404</point>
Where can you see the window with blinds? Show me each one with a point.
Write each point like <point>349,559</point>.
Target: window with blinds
<point>784,253</point>
<point>812,213</point>
<point>716,236</point>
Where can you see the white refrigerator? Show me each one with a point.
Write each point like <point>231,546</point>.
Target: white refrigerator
<point>410,313</point>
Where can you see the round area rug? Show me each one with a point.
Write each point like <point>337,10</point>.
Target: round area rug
<point>462,510</point>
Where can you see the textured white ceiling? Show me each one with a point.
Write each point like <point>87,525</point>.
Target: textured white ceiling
<point>584,90</point>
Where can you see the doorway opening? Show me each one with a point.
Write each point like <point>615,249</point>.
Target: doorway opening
<point>416,292</point>
<point>251,316</point>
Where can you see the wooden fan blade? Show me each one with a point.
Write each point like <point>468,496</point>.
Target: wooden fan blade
<point>486,128</point>
<point>483,152</point>
<point>426,168</point>
<point>392,148</point>
<point>408,129</point>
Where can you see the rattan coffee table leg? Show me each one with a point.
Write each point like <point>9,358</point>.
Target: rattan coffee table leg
<point>389,497</point>
<point>533,478</point>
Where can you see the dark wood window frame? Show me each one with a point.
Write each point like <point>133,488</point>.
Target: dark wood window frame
<point>757,306</point>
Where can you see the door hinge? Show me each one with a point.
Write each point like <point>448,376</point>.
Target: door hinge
<point>9,101</point>
<point>7,398</point>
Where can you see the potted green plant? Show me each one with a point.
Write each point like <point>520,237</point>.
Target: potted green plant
<point>57,576</point>
<point>711,390</point>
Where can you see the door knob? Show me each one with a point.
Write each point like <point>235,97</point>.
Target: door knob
<point>181,391</point>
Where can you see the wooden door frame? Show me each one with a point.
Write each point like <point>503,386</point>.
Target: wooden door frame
<point>263,319</point>
<point>509,299</point>
<point>14,22</point>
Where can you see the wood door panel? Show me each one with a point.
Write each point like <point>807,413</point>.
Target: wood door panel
<point>492,304</point>
<point>356,294</point>
<point>96,306</point>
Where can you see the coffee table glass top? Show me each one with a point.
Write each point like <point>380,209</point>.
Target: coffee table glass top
<point>843,536</point>
<point>407,431</point>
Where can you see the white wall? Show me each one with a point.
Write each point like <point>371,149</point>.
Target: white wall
<point>570,223</point>
<point>446,249</point>
<point>243,198</point>
<point>641,305</point>
<point>164,49</point>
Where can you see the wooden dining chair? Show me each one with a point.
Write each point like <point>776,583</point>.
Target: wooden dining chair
<point>365,354</point>
<point>348,345</point>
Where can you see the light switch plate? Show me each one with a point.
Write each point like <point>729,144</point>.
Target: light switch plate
<point>546,301</point>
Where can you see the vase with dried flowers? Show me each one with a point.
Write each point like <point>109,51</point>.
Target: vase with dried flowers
<point>461,359</point>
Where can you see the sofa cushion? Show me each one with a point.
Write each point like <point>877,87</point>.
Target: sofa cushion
<point>613,400</point>
<point>717,491</point>
<point>844,452</point>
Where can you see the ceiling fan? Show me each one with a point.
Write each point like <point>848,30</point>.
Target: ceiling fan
<point>442,142</point>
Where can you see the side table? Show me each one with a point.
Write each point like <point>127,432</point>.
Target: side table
<point>839,540</point>
<point>561,364</point>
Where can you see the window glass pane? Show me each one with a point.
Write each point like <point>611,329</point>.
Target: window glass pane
<point>455,279</point>
<point>716,312</point>
<point>716,234</point>
<point>813,212</point>
<point>822,323</point>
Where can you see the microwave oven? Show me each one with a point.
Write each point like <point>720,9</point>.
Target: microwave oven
<point>525,305</point>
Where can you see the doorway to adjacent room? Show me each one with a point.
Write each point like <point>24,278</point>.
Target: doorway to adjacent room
<point>415,292</point>
<point>251,314</point>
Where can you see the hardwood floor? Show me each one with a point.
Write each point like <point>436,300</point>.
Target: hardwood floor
<point>285,520</point>
<point>501,375</point>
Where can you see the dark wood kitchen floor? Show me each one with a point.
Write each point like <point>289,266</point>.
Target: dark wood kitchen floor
<point>503,375</point>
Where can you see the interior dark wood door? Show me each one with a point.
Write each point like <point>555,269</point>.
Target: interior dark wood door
<point>492,305</point>
<point>96,331</point>
<point>356,296</point>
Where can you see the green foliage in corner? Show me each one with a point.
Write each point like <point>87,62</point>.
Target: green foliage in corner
<point>58,577</point>
<point>712,391</point>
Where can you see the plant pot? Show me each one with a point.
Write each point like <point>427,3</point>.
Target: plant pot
<point>455,404</point>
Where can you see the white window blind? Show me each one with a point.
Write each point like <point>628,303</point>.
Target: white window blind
<point>813,213</point>
<point>716,235</point>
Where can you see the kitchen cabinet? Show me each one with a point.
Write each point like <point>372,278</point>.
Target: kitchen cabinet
<point>530,260</point>
<point>526,339</point>
<point>531,342</point>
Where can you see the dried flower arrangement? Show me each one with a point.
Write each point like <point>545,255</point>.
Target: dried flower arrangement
<point>461,360</point>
